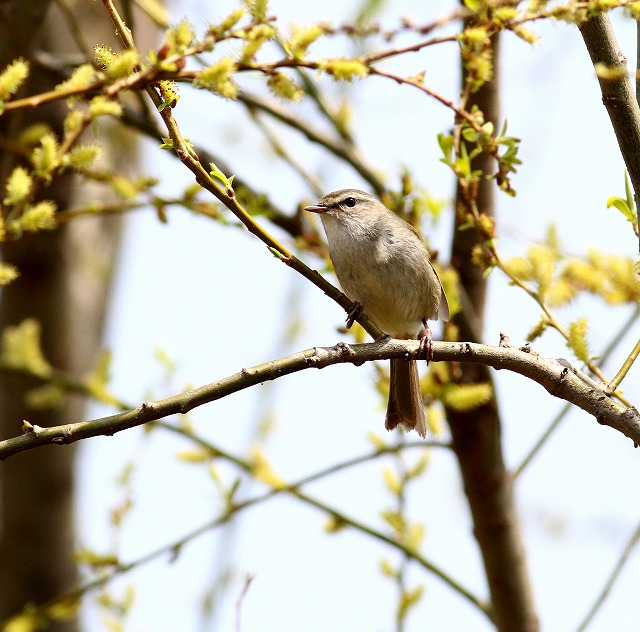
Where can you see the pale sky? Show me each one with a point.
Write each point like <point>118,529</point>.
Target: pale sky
<point>215,300</point>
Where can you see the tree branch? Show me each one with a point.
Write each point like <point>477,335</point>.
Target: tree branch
<point>556,376</point>
<point>477,434</point>
<point>295,489</point>
<point>617,94</point>
<point>337,146</point>
<point>611,580</point>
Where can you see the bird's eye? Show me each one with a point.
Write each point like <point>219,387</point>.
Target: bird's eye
<point>350,202</point>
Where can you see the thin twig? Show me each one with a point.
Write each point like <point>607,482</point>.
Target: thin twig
<point>227,197</point>
<point>410,81</point>
<point>624,369</point>
<point>337,146</point>
<point>541,442</point>
<point>312,92</point>
<point>604,356</point>
<point>173,548</point>
<point>245,588</point>
<point>611,580</point>
<point>553,321</point>
<point>413,48</point>
<point>281,150</point>
<point>77,31</point>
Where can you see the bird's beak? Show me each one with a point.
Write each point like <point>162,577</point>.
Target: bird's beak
<point>316,209</point>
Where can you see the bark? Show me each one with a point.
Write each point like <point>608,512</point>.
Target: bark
<point>477,434</point>
<point>617,94</point>
<point>64,283</point>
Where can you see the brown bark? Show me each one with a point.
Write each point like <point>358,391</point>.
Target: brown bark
<point>476,435</point>
<point>64,282</point>
<point>617,94</point>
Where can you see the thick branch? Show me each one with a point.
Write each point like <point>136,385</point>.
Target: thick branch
<point>557,376</point>
<point>617,94</point>
<point>477,434</point>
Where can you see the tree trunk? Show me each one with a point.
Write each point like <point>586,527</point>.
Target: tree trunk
<point>477,434</point>
<point>64,282</point>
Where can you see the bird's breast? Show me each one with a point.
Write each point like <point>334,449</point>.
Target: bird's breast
<point>390,276</point>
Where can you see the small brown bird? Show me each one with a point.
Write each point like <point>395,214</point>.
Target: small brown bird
<point>383,265</point>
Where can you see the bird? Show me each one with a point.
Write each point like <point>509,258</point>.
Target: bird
<point>384,267</point>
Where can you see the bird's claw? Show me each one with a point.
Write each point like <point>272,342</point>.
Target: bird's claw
<point>426,343</point>
<point>355,311</point>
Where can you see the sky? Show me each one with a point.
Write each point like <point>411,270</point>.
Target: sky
<point>215,300</point>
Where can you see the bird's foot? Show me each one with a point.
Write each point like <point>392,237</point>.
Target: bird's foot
<point>426,342</point>
<point>355,311</point>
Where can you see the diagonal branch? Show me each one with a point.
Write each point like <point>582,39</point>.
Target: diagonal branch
<point>295,489</point>
<point>337,146</point>
<point>556,376</point>
<point>611,580</point>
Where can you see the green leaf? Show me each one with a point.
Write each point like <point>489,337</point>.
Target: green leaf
<point>8,273</point>
<point>538,329</point>
<point>626,206</point>
<point>344,69</point>
<point>12,77</point>
<point>98,379</point>
<point>465,397</point>
<point>393,483</point>
<point>45,157</point>
<point>218,175</point>
<point>446,145</point>
<point>302,38</point>
<point>408,599</point>
<point>577,341</point>
<point>45,396</point>
<point>627,190</point>
<point>387,568</point>
<point>167,143</point>
<point>18,186</point>
<point>622,206</point>
<point>395,520</point>
<point>218,78</point>
<point>21,348</point>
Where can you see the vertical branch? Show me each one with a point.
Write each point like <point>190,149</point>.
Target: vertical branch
<point>477,434</point>
<point>617,92</point>
<point>638,61</point>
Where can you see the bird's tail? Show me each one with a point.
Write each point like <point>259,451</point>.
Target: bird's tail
<point>406,407</point>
